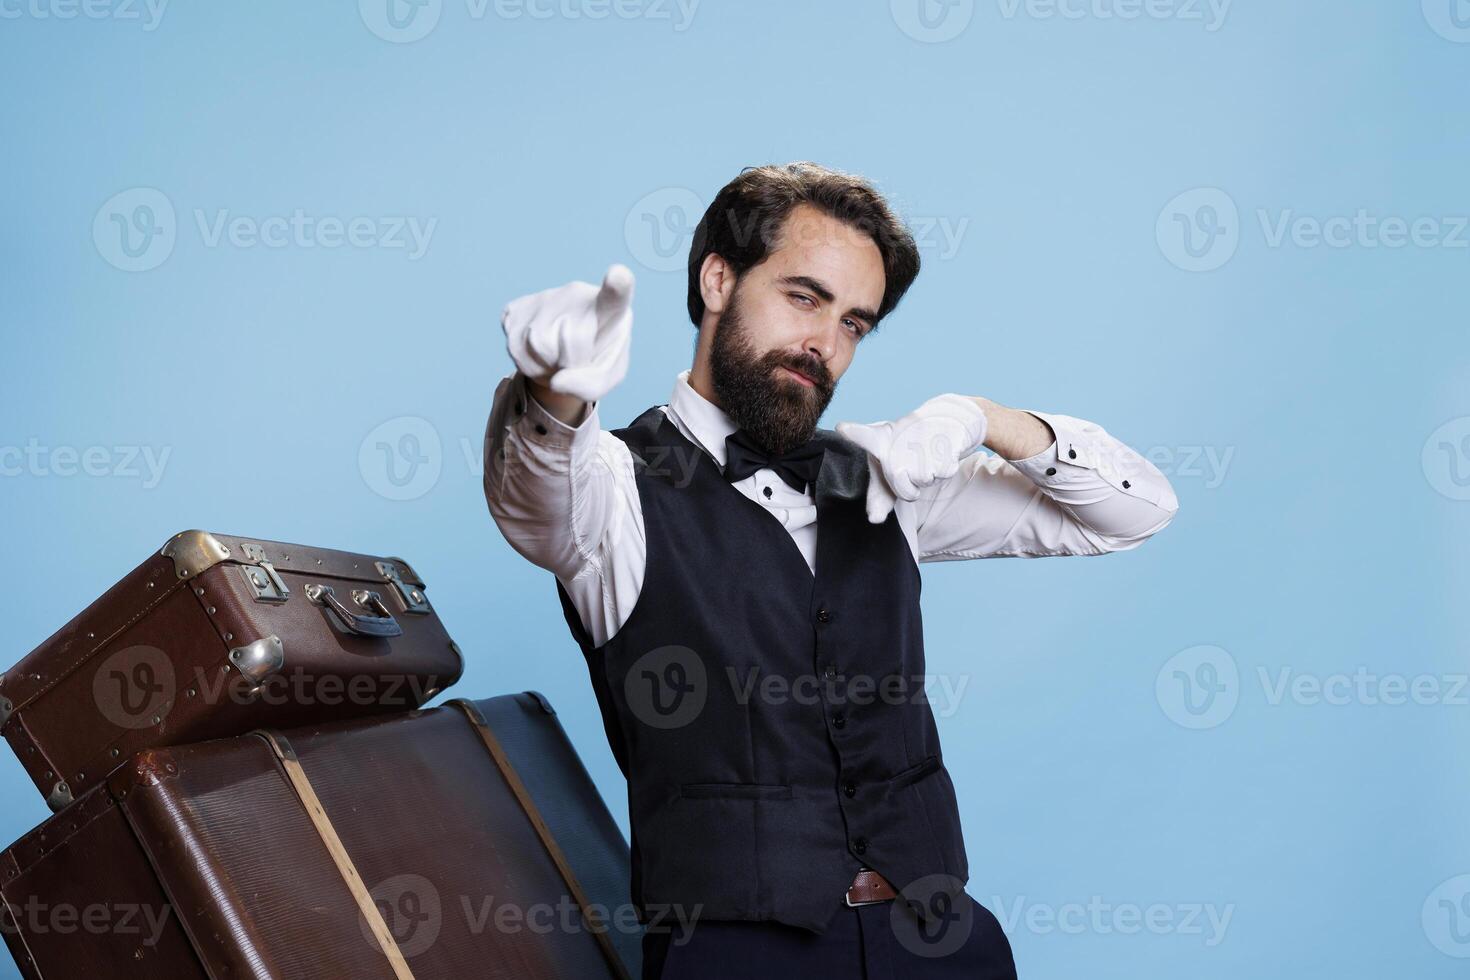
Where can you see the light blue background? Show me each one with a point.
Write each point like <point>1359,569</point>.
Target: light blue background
<point>1331,541</point>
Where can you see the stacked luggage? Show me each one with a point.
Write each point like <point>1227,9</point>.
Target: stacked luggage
<point>246,785</point>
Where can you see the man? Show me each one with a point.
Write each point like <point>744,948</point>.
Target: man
<point>744,585</point>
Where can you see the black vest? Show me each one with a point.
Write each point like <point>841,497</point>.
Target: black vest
<point>772,725</point>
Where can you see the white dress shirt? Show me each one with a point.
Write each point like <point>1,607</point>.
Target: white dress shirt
<point>566,499</point>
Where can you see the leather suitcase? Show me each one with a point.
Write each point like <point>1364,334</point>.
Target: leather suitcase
<point>380,849</point>
<point>217,635</point>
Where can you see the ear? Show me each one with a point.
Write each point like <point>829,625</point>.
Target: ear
<point>716,283</point>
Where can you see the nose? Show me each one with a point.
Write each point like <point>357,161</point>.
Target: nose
<point>822,341</point>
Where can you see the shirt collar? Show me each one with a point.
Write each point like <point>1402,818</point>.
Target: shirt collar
<point>706,421</point>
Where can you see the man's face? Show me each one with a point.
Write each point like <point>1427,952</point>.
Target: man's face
<point>792,325</point>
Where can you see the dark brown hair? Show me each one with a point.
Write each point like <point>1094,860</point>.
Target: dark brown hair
<point>745,221</point>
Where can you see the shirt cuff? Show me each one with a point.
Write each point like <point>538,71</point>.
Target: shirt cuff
<point>1085,455</point>
<point>538,426</point>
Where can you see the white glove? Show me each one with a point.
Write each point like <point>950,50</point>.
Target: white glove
<point>575,338</point>
<point>922,448</point>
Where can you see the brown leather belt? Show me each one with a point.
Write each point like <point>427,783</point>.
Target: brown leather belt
<point>868,888</point>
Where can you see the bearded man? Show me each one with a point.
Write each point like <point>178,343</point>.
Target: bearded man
<point>744,585</point>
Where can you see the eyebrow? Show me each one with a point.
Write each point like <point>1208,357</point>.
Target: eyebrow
<point>821,289</point>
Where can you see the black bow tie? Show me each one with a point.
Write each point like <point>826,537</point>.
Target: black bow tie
<point>797,468</point>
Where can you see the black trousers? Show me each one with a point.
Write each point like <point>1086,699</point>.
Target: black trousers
<point>870,942</point>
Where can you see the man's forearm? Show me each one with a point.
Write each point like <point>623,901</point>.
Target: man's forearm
<point>1011,433</point>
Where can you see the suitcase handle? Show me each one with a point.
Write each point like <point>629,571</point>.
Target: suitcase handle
<point>380,625</point>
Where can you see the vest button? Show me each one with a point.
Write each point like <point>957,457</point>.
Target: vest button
<point>823,616</point>
<point>541,429</point>
<point>829,671</point>
<point>767,491</point>
<point>850,789</point>
<point>838,720</point>
<point>860,845</point>
<point>1051,471</point>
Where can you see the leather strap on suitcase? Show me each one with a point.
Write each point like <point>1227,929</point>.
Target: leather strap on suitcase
<point>340,857</point>
<point>502,762</point>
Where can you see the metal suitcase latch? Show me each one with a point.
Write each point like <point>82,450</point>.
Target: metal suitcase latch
<point>411,596</point>
<point>261,577</point>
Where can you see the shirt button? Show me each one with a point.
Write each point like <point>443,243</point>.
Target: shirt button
<point>850,790</point>
<point>1071,454</point>
<point>823,616</point>
<point>1051,471</point>
<point>1126,484</point>
<point>767,491</point>
<point>860,845</point>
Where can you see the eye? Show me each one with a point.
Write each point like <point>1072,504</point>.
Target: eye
<point>857,328</point>
<point>803,297</point>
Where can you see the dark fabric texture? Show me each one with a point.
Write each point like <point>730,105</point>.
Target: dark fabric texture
<point>865,943</point>
<point>771,723</point>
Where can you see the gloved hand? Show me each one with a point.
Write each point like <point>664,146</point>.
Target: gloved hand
<point>922,448</point>
<point>574,338</point>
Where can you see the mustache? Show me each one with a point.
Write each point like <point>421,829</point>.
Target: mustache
<point>812,368</point>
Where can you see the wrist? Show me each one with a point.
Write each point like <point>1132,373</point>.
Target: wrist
<point>564,408</point>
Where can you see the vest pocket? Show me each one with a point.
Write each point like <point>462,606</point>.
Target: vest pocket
<point>911,775</point>
<point>735,791</point>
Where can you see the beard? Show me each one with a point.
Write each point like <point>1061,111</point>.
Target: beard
<point>777,410</point>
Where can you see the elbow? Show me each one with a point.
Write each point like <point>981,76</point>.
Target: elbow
<point>1128,540</point>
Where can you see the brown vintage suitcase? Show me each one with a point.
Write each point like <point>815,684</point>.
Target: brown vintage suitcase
<point>378,849</point>
<point>216,635</point>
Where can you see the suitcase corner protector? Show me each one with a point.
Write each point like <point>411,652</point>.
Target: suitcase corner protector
<point>194,552</point>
